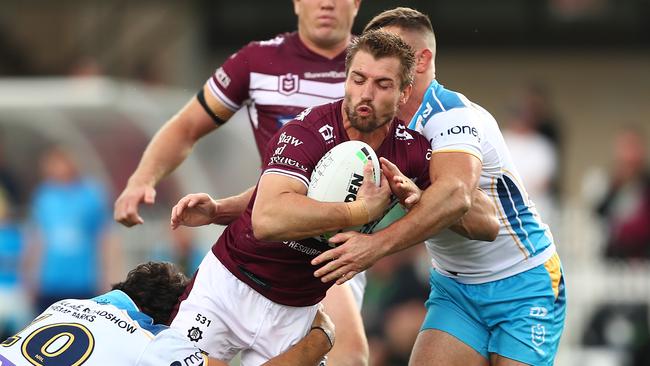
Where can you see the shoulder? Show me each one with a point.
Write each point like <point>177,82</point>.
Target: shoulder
<point>269,45</point>
<point>317,118</point>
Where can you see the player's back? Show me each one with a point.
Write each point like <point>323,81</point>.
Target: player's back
<point>106,330</point>
<point>453,123</point>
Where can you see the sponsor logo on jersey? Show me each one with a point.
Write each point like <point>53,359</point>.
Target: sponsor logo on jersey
<point>328,74</point>
<point>195,334</point>
<point>222,78</point>
<point>288,84</point>
<point>327,132</point>
<point>301,116</point>
<point>402,134</point>
<point>288,139</point>
<point>272,42</point>
<point>302,248</point>
<point>462,130</point>
<point>422,118</point>
<point>282,160</point>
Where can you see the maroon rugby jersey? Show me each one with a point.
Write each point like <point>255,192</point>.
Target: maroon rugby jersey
<point>277,79</point>
<point>281,271</point>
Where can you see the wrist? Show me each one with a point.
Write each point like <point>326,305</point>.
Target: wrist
<point>357,213</point>
<point>328,336</point>
<point>141,181</point>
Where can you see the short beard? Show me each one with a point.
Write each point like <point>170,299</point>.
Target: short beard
<point>372,124</point>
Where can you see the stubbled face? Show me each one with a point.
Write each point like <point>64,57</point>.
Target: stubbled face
<point>372,93</point>
<point>326,23</point>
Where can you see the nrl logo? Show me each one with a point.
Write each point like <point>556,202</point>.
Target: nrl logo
<point>288,84</point>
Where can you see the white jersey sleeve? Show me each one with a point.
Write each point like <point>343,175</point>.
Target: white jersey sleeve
<point>169,347</point>
<point>455,130</point>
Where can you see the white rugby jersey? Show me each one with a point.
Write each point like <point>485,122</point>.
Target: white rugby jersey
<point>106,330</point>
<point>453,123</point>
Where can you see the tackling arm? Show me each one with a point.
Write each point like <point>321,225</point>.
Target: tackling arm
<point>454,177</point>
<point>480,222</point>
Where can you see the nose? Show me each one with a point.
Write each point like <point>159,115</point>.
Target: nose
<point>327,4</point>
<point>368,91</point>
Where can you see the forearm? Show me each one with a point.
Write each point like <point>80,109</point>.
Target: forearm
<point>167,150</point>
<point>441,205</point>
<point>295,216</point>
<point>174,142</point>
<point>230,208</point>
<point>309,351</point>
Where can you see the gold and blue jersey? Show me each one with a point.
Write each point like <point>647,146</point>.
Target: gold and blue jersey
<point>451,122</point>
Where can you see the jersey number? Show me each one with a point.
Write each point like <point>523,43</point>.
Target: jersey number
<point>61,344</point>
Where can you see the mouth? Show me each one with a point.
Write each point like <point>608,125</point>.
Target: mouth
<point>364,110</point>
<point>326,20</point>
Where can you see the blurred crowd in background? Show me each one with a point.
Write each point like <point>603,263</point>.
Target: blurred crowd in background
<point>64,158</point>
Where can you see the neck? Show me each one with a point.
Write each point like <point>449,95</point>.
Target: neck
<point>420,86</point>
<point>329,52</point>
<point>374,138</point>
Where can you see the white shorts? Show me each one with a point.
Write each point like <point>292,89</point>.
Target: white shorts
<point>222,316</point>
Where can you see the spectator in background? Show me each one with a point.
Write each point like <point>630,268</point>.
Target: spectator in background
<point>14,304</point>
<point>535,157</point>
<point>625,206</point>
<point>74,253</point>
<point>8,182</point>
<point>535,106</point>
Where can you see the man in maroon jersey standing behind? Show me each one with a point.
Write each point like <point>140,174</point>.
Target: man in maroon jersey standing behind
<point>274,80</point>
<point>255,291</point>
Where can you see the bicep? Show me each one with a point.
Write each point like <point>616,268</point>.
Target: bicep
<point>273,186</point>
<point>461,167</point>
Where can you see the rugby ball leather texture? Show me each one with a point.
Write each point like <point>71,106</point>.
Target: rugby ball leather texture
<point>339,175</point>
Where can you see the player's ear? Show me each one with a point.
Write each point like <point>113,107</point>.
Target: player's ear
<point>296,7</point>
<point>424,57</point>
<point>405,94</point>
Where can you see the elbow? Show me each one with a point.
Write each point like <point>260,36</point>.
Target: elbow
<point>263,227</point>
<point>492,230</point>
<point>488,233</point>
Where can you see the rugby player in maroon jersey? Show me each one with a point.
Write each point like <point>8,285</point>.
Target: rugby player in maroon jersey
<point>263,257</point>
<point>274,80</point>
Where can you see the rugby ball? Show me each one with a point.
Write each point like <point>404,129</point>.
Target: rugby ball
<point>339,174</point>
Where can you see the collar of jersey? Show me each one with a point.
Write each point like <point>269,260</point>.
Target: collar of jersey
<point>118,299</point>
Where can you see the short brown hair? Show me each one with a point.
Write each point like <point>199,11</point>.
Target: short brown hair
<point>155,287</point>
<point>382,44</point>
<point>405,18</point>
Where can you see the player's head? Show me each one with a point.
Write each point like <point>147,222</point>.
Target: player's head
<point>155,287</point>
<point>326,23</point>
<point>379,73</point>
<point>57,164</point>
<point>414,27</point>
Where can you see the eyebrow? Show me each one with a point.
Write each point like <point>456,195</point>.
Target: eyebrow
<point>379,80</point>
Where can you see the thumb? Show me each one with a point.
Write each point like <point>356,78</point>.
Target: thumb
<point>150,195</point>
<point>389,167</point>
<point>368,175</point>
